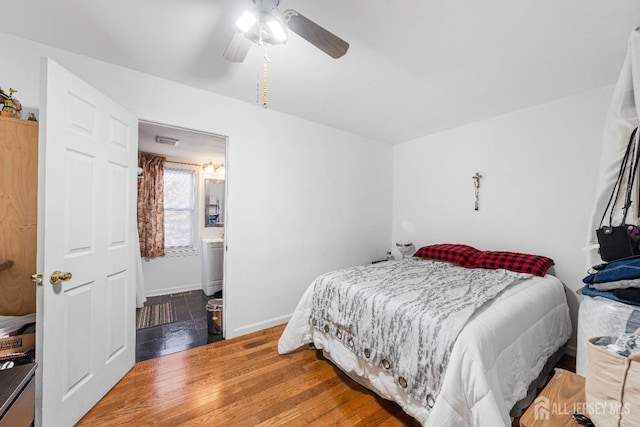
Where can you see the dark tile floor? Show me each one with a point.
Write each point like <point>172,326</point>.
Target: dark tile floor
<point>190,329</point>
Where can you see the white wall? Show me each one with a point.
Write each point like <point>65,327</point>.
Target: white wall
<point>303,198</point>
<point>176,272</point>
<point>539,169</point>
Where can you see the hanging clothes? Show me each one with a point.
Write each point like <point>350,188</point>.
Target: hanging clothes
<point>622,119</point>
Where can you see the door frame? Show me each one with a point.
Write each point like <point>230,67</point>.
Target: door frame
<point>225,301</point>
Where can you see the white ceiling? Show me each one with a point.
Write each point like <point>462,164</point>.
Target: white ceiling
<point>414,67</point>
<point>193,146</point>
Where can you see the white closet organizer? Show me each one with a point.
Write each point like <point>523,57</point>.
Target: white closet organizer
<point>212,261</point>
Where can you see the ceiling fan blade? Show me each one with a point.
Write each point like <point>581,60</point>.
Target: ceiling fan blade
<point>238,48</point>
<point>324,40</point>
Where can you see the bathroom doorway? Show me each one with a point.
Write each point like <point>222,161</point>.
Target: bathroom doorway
<point>176,310</point>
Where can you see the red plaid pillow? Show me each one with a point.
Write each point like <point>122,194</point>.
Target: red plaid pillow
<point>455,253</point>
<point>514,261</point>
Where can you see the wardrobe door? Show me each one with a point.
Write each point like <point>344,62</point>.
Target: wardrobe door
<point>18,215</point>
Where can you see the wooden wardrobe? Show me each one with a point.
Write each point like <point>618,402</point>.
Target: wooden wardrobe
<point>18,215</point>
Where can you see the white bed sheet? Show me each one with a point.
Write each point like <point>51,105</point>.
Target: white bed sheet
<point>498,354</point>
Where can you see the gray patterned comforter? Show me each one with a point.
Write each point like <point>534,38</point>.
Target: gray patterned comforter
<point>404,316</point>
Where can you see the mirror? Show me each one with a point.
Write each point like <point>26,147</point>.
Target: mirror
<point>213,202</point>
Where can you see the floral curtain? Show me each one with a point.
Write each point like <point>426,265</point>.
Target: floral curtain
<point>151,205</point>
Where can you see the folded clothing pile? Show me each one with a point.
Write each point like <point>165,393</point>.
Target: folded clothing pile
<point>618,281</point>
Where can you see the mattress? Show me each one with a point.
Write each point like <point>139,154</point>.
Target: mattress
<point>598,317</point>
<point>500,351</point>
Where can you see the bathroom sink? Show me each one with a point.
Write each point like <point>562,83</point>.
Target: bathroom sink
<point>213,240</point>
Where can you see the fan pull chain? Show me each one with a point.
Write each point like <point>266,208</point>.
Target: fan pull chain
<point>258,84</point>
<point>264,80</point>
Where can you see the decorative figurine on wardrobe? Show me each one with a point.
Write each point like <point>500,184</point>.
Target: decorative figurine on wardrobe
<point>11,107</point>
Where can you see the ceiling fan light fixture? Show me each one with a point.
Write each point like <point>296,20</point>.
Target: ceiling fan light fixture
<point>246,21</point>
<point>278,30</point>
<point>265,24</point>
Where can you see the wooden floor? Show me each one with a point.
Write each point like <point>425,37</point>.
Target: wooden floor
<point>242,382</point>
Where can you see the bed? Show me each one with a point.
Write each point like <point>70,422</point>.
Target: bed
<point>476,378</point>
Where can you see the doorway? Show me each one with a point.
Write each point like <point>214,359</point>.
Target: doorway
<point>175,308</point>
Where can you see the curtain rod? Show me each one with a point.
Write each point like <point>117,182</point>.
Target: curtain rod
<point>183,163</point>
<point>171,161</point>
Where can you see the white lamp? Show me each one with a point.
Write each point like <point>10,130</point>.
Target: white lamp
<point>406,248</point>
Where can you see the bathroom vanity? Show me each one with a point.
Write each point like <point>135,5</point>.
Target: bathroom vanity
<point>212,265</point>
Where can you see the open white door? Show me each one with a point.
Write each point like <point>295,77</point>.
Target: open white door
<point>86,225</point>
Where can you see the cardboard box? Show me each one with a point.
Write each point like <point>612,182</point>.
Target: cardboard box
<point>17,344</point>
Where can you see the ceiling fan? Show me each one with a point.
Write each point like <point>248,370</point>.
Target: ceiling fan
<point>266,24</point>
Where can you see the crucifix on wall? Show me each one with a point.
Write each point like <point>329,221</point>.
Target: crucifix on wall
<point>476,183</point>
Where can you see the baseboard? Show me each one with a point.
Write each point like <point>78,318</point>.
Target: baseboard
<point>571,350</point>
<point>260,326</point>
<point>173,290</point>
<point>212,290</point>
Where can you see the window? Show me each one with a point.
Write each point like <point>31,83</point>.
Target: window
<point>178,208</point>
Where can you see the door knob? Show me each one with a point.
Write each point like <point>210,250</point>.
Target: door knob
<point>58,276</point>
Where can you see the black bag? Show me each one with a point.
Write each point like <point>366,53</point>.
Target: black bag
<point>617,242</point>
